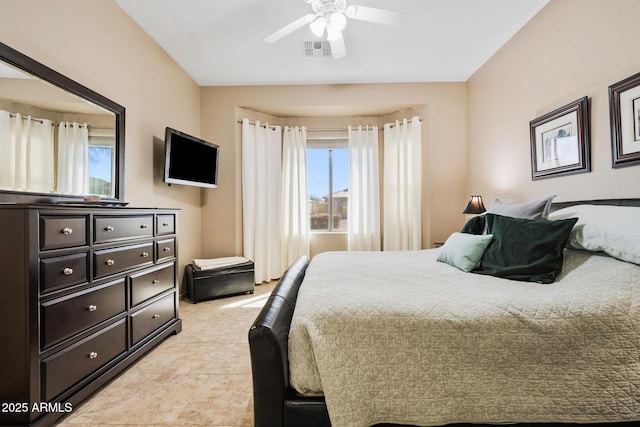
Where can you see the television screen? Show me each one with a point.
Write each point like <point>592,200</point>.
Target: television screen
<point>190,160</point>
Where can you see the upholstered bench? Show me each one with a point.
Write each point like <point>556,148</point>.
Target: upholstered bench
<point>219,277</point>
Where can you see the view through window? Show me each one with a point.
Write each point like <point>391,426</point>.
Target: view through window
<point>101,169</point>
<point>328,175</point>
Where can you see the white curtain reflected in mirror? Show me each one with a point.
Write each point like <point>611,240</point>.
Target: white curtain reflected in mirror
<point>73,158</point>
<point>53,141</point>
<point>27,145</point>
<point>46,157</point>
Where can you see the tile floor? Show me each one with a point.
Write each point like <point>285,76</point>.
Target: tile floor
<point>200,377</point>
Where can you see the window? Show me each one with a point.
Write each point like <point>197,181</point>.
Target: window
<point>101,169</point>
<point>102,156</point>
<point>328,176</point>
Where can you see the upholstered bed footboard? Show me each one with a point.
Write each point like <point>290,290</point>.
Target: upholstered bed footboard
<point>274,403</point>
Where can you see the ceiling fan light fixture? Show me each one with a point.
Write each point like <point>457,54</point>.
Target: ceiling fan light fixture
<point>337,21</point>
<point>333,35</point>
<point>318,26</point>
<point>335,25</point>
<point>330,17</point>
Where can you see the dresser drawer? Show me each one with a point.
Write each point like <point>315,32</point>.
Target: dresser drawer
<point>63,271</point>
<point>58,232</point>
<point>165,224</point>
<point>152,317</point>
<point>151,283</point>
<point>166,249</point>
<point>69,366</point>
<point>115,228</point>
<point>66,316</point>
<point>112,261</point>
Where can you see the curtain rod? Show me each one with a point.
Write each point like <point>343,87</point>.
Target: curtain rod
<point>261,125</point>
<point>57,124</point>
<point>328,129</point>
<point>313,129</point>
<point>394,124</point>
<point>309,129</point>
<point>334,129</point>
<point>343,129</point>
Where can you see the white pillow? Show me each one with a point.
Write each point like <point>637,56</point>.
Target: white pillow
<point>614,230</point>
<point>463,250</point>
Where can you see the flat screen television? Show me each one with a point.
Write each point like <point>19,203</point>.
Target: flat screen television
<point>190,160</point>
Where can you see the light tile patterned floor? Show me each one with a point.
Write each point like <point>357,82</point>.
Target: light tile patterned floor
<point>200,377</point>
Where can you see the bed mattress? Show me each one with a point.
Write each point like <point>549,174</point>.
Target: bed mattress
<point>396,337</point>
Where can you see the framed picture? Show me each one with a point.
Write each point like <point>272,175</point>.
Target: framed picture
<point>624,112</point>
<point>560,141</point>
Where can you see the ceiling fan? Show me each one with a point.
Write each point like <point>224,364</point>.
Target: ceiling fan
<point>331,16</point>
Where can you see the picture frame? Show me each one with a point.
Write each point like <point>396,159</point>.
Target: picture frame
<point>560,141</point>
<point>624,113</point>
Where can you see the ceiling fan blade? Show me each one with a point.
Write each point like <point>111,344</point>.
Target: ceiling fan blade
<point>290,28</point>
<point>338,49</point>
<point>373,14</point>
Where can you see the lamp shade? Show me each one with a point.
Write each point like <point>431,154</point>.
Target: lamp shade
<point>475,206</point>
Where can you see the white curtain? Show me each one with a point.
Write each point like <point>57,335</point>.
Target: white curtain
<point>261,198</point>
<point>402,185</point>
<point>40,155</point>
<point>73,158</point>
<point>295,199</point>
<point>364,189</point>
<point>10,132</point>
<point>28,154</point>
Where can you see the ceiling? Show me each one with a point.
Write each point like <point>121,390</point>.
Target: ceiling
<point>221,42</point>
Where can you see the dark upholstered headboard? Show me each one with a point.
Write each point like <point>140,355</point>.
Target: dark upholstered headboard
<point>612,202</point>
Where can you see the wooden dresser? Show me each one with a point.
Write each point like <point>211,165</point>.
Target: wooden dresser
<point>84,292</point>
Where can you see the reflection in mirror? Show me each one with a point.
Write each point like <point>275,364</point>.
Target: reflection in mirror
<point>57,138</point>
<point>53,141</point>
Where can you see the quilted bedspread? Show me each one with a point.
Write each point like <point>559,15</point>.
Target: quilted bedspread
<point>396,337</point>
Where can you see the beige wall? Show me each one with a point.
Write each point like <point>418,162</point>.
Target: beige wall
<point>442,105</point>
<point>571,49</point>
<point>96,44</point>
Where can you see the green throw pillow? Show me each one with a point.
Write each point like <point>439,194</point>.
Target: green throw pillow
<point>474,226</point>
<point>463,250</point>
<point>525,249</point>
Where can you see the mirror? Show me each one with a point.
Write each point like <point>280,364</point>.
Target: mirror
<point>59,141</point>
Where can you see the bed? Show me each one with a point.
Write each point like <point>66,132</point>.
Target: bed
<point>398,338</point>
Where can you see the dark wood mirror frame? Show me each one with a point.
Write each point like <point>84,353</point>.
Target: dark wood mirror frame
<point>33,67</point>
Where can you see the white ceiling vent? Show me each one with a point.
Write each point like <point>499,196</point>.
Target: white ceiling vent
<point>316,48</point>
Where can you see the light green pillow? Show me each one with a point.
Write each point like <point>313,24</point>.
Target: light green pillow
<point>463,250</point>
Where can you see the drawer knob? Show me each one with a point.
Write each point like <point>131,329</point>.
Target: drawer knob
<point>144,254</point>
<point>92,307</point>
<point>144,226</point>
<point>66,231</point>
<point>93,355</point>
<point>156,282</point>
<point>165,224</point>
<point>167,249</point>
<point>67,271</point>
<point>108,228</point>
<point>156,316</point>
<point>109,262</point>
